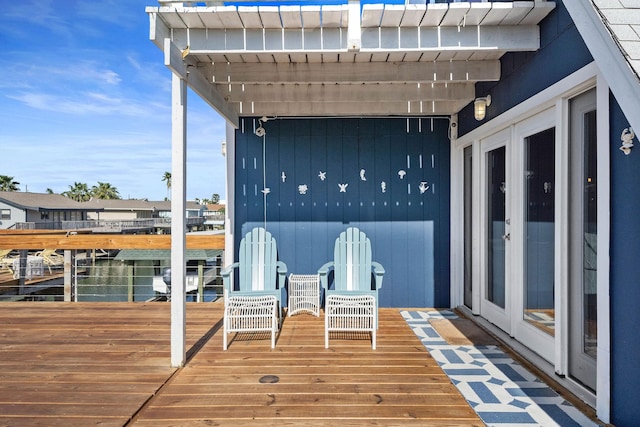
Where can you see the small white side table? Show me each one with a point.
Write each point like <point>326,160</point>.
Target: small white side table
<point>304,294</point>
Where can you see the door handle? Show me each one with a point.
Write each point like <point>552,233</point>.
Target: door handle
<point>506,236</point>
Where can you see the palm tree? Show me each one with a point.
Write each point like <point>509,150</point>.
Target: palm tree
<point>215,198</point>
<point>104,190</point>
<point>49,191</point>
<point>79,192</point>
<point>8,184</point>
<point>167,177</point>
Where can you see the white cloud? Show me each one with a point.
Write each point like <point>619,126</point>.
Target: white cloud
<point>69,71</point>
<point>89,103</point>
<point>43,13</point>
<point>110,77</point>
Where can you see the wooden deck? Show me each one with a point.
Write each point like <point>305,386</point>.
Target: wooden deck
<point>107,364</point>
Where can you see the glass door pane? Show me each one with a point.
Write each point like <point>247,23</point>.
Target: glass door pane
<point>589,241</point>
<point>496,216</point>
<point>539,229</point>
<point>590,234</point>
<point>583,236</point>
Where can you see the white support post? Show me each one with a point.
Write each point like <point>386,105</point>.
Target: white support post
<point>230,209</point>
<point>354,30</point>
<point>178,219</point>
<point>69,276</point>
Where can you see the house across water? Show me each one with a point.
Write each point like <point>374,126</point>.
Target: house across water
<point>40,211</point>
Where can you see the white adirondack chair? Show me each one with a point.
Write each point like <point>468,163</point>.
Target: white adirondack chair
<point>256,304</point>
<point>352,303</point>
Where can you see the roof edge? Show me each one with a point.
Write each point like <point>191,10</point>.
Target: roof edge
<point>620,76</point>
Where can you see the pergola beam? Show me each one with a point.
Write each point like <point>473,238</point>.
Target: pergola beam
<point>369,72</point>
<point>299,92</point>
<point>269,40</point>
<point>158,30</point>
<point>377,108</point>
<point>186,68</point>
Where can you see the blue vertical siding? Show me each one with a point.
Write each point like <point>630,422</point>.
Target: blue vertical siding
<point>625,273</point>
<point>523,74</point>
<point>409,229</point>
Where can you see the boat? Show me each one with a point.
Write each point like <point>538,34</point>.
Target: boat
<point>209,274</point>
<point>209,259</point>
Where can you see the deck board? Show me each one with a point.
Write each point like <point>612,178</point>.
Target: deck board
<point>78,364</point>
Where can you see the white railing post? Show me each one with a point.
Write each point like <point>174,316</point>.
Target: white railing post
<point>69,275</point>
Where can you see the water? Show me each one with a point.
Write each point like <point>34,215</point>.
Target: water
<point>108,280</point>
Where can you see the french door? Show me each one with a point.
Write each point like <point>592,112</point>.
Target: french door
<point>518,232</point>
<point>495,229</point>
<point>534,317</point>
<point>529,221</point>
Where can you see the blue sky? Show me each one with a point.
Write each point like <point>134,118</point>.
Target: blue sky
<point>84,97</point>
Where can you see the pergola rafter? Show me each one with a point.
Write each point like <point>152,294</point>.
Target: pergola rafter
<point>370,60</point>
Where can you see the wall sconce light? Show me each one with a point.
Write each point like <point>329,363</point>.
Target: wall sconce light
<point>480,107</point>
<point>260,131</point>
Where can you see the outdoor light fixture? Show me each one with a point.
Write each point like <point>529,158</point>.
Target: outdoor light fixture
<point>261,131</point>
<point>480,107</point>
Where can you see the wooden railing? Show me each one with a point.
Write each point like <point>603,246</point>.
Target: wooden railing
<point>79,239</point>
<point>108,225</point>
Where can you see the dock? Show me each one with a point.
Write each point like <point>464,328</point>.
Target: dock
<point>10,288</point>
<point>108,364</point>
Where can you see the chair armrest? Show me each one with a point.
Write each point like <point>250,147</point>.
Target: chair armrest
<point>323,272</point>
<point>281,268</point>
<point>226,275</point>
<point>378,271</point>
